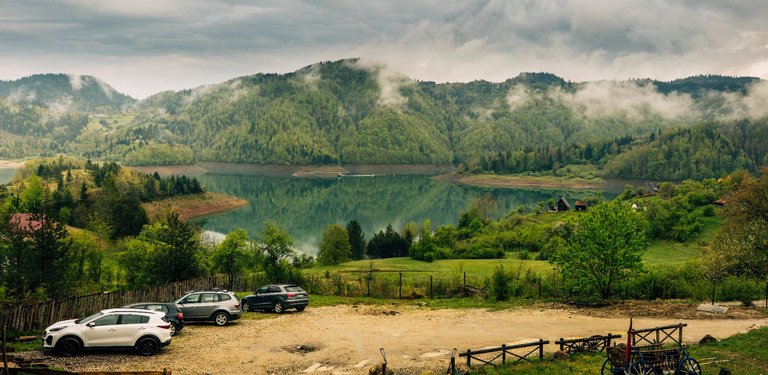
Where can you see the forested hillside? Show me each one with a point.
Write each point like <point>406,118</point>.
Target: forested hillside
<point>352,112</point>
<point>44,114</point>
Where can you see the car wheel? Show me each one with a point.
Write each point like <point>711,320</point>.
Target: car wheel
<point>300,308</point>
<point>68,346</point>
<point>221,318</point>
<point>147,347</point>
<point>245,306</point>
<point>173,329</point>
<point>278,307</point>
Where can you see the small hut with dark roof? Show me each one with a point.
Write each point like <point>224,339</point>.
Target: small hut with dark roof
<point>563,205</point>
<point>580,206</point>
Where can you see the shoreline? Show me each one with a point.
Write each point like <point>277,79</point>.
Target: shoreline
<point>576,183</point>
<point>194,206</point>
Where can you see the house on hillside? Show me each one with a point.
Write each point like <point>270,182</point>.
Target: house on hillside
<point>562,205</point>
<point>24,222</point>
<point>580,206</point>
<point>721,202</point>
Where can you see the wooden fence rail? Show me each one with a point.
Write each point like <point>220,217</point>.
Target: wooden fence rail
<point>504,352</point>
<point>658,335</point>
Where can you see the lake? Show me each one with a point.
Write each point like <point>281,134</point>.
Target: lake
<point>305,206</point>
<point>6,175</point>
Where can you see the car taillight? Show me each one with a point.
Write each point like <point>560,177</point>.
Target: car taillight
<point>290,295</point>
<point>164,326</point>
<point>180,316</point>
<point>237,305</point>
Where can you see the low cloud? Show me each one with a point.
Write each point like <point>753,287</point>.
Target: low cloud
<point>626,98</point>
<point>76,81</point>
<point>390,82</point>
<point>753,105</point>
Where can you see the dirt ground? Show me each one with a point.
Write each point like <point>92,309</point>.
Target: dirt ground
<point>346,339</point>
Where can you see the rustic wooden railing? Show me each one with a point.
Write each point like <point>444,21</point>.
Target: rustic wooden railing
<point>592,344</point>
<point>658,335</point>
<point>504,352</point>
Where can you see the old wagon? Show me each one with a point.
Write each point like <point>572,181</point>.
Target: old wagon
<point>649,360</point>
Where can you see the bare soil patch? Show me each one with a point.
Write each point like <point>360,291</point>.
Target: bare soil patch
<point>346,339</point>
<point>193,206</point>
<point>517,182</point>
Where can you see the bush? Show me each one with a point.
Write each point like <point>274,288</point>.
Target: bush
<point>740,289</point>
<point>500,282</point>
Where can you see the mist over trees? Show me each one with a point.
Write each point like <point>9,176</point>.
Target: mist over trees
<point>352,112</point>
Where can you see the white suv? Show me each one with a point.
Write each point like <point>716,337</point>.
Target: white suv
<point>143,330</point>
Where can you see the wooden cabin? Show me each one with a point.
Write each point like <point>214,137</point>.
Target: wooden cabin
<point>580,206</point>
<point>563,205</point>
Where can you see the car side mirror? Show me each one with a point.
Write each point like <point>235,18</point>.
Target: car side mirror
<point>91,324</point>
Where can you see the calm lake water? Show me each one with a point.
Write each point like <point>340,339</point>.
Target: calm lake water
<point>305,206</point>
<point>6,175</point>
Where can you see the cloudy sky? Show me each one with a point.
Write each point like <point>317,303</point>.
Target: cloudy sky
<point>141,47</point>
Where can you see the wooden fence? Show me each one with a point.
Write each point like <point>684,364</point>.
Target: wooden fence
<point>658,335</point>
<point>29,317</point>
<point>506,353</point>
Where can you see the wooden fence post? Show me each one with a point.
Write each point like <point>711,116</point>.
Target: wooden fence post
<point>541,349</point>
<point>469,357</point>
<point>400,290</point>
<point>503,353</point>
<point>432,295</point>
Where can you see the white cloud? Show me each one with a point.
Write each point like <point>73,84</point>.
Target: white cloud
<point>142,47</point>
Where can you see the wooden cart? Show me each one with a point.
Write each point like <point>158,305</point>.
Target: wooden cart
<point>650,360</point>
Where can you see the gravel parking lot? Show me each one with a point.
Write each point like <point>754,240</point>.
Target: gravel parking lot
<point>346,339</point>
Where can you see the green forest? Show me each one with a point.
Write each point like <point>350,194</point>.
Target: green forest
<point>351,112</point>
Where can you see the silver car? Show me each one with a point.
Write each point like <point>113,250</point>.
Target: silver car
<point>218,306</point>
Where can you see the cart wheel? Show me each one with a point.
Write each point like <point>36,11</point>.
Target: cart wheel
<point>595,346</point>
<point>608,368</point>
<point>688,366</point>
<point>639,368</point>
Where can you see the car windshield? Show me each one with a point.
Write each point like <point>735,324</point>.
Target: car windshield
<point>89,318</point>
<point>294,289</point>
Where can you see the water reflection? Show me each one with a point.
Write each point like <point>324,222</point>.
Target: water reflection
<point>305,206</point>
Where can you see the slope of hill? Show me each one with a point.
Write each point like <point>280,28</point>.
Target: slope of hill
<point>64,93</point>
<point>352,111</point>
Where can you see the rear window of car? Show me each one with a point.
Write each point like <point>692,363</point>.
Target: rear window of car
<point>293,289</point>
<point>133,319</point>
<point>224,297</point>
<point>161,308</point>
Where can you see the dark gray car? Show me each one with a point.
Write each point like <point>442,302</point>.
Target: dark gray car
<point>276,297</point>
<point>218,306</point>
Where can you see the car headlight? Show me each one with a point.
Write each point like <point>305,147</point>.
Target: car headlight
<point>56,329</point>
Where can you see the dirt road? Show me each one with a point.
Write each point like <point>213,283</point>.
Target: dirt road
<point>346,339</point>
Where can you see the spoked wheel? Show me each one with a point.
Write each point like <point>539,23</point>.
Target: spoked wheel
<point>594,345</point>
<point>278,307</point>
<point>246,306</point>
<point>688,366</point>
<point>639,368</point>
<point>608,368</point>
<point>221,318</point>
<point>173,329</point>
